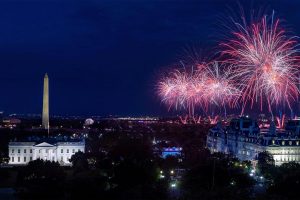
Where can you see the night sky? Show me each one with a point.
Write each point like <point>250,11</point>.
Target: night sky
<point>103,56</point>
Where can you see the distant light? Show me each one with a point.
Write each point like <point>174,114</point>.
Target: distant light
<point>251,174</point>
<point>161,171</point>
<point>173,185</point>
<point>162,176</point>
<point>261,177</point>
<point>252,171</point>
<point>172,171</point>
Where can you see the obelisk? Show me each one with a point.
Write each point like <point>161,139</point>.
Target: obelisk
<point>45,114</point>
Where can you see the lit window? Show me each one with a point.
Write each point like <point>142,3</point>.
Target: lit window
<point>290,142</point>
<point>273,141</point>
<point>297,143</point>
<point>283,143</point>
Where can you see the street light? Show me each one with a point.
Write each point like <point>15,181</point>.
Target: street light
<point>173,185</point>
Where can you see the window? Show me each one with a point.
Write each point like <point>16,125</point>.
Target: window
<point>46,150</point>
<point>67,150</point>
<point>13,151</point>
<point>19,151</point>
<point>19,159</point>
<point>30,159</point>
<point>61,151</point>
<point>24,150</point>
<point>12,159</point>
<point>282,143</point>
<point>73,150</point>
<point>40,151</point>
<point>52,158</point>
<point>61,159</point>
<point>24,159</point>
<point>297,143</point>
<point>290,142</point>
<point>30,150</point>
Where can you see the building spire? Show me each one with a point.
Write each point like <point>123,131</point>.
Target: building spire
<point>45,114</point>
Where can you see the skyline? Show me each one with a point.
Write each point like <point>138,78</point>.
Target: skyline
<point>97,65</point>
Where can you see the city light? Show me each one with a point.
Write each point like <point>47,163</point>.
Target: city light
<point>173,185</point>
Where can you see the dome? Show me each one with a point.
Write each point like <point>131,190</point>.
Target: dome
<point>89,122</point>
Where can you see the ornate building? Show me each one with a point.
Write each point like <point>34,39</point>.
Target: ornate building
<point>20,153</point>
<point>244,139</point>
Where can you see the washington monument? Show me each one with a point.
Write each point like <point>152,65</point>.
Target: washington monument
<point>45,114</point>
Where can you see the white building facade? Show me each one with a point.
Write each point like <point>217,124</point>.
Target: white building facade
<point>20,153</point>
<point>243,139</point>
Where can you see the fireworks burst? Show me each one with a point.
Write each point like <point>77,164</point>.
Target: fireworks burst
<point>221,89</point>
<point>200,88</point>
<point>266,63</point>
<point>180,90</point>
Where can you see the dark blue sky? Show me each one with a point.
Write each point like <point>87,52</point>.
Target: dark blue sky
<point>102,56</point>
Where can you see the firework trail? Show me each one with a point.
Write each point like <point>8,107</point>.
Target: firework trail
<point>266,63</point>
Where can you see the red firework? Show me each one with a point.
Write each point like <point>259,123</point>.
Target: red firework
<point>266,63</point>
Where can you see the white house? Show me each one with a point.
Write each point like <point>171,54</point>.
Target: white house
<point>20,153</point>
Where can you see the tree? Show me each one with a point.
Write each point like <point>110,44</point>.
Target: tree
<point>265,163</point>
<point>41,178</point>
<point>216,178</point>
<point>286,181</point>
<point>136,173</point>
<point>79,162</point>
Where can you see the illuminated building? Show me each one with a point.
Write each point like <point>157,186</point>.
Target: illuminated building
<point>245,140</point>
<point>171,151</point>
<point>20,153</point>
